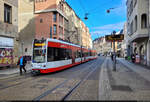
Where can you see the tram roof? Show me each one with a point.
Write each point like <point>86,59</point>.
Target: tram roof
<point>59,41</point>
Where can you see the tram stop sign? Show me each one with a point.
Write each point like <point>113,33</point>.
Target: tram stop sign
<point>112,38</point>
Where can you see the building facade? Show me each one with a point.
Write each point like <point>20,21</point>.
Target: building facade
<point>124,42</point>
<point>102,46</point>
<point>56,19</point>
<point>26,26</point>
<point>73,33</point>
<point>49,19</point>
<point>138,29</point>
<point>8,32</point>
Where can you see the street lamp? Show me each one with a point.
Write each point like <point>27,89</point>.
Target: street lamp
<point>114,53</point>
<point>86,14</point>
<point>108,10</point>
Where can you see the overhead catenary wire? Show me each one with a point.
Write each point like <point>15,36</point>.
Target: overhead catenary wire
<point>92,11</point>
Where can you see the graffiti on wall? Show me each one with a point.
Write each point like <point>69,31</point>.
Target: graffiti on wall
<point>6,56</point>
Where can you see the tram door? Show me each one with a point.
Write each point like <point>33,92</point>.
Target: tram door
<point>73,58</point>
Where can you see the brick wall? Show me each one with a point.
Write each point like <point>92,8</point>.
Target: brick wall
<point>43,27</point>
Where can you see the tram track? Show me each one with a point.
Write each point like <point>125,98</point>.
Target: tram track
<point>89,74</point>
<point>62,84</point>
<point>27,77</point>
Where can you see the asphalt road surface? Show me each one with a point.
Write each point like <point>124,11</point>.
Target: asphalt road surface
<point>76,83</point>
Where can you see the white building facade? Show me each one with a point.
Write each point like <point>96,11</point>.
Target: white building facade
<point>138,29</point>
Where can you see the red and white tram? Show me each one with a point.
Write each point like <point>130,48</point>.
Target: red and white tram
<point>52,55</point>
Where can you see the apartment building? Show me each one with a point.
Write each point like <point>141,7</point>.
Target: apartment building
<point>49,19</point>
<point>138,29</point>
<point>124,42</point>
<point>78,33</point>
<point>73,34</point>
<point>102,46</point>
<point>8,32</point>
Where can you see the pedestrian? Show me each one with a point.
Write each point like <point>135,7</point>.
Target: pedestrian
<point>133,58</point>
<point>112,56</point>
<point>22,63</point>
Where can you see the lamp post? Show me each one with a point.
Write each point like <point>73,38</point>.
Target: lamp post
<point>114,53</point>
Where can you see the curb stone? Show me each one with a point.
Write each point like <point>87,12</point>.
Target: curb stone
<point>104,84</point>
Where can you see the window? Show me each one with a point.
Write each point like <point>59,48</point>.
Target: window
<point>41,20</point>
<point>57,54</point>
<point>135,23</point>
<point>131,27</point>
<point>54,29</point>
<point>50,32</point>
<point>144,21</point>
<point>54,17</point>
<point>26,49</point>
<point>7,13</point>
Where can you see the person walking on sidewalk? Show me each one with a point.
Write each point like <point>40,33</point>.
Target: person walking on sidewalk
<point>112,56</point>
<point>133,58</point>
<point>22,63</point>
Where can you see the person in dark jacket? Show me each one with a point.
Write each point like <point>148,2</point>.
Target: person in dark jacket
<point>22,62</point>
<point>133,58</point>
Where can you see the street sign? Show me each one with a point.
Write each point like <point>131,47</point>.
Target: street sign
<point>119,37</point>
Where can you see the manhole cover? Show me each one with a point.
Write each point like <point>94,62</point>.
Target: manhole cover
<point>121,88</point>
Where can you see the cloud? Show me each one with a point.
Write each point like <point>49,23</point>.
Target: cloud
<point>106,29</point>
<point>101,32</point>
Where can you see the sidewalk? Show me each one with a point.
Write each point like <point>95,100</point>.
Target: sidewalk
<point>129,82</point>
<point>10,72</point>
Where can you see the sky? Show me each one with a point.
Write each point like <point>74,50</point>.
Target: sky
<point>99,22</point>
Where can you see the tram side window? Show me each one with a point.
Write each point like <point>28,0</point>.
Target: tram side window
<point>90,53</point>
<point>68,53</point>
<point>62,54</point>
<point>76,54</point>
<point>79,54</point>
<point>56,54</point>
